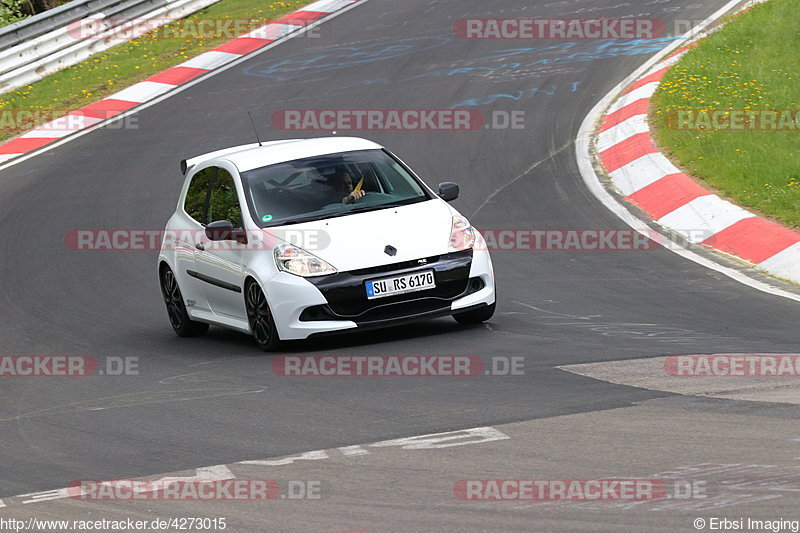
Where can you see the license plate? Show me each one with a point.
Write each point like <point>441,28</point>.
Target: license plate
<point>418,281</point>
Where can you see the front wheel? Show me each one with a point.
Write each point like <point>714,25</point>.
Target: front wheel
<point>260,318</point>
<point>476,316</point>
<point>176,310</point>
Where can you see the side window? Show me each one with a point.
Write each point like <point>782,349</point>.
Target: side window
<point>197,197</point>
<point>224,204</point>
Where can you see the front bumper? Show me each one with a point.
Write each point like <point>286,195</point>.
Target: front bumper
<point>464,280</point>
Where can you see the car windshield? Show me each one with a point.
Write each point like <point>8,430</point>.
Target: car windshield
<point>329,186</point>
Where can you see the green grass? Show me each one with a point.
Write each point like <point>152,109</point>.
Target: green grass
<point>10,12</point>
<point>128,63</point>
<point>753,63</point>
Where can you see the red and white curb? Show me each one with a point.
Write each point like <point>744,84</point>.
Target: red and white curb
<point>647,179</point>
<point>169,79</point>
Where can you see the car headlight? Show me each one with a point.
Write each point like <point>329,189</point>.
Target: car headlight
<point>297,261</point>
<point>462,236</point>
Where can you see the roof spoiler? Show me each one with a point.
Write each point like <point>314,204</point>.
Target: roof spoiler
<point>187,164</point>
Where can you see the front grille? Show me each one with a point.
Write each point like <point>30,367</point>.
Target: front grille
<point>393,307</point>
<point>347,296</point>
<point>378,313</point>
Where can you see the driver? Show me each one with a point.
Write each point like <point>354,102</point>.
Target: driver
<point>341,185</point>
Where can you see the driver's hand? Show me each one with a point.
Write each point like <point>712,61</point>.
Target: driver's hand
<point>353,196</point>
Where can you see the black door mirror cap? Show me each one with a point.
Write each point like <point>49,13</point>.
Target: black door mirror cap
<point>449,191</point>
<point>223,230</point>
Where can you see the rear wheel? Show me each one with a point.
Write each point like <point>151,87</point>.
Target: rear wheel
<point>260,318</point>
<point>176,310</point>
<point>476,316</point>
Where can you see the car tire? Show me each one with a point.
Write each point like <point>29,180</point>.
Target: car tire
<point>476,316</point>
<point>176,310</point>
<point>259,316</point>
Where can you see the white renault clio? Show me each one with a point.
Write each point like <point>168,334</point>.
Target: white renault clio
<point>299,238</point>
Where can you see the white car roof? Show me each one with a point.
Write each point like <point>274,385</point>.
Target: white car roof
<point>250,156</point>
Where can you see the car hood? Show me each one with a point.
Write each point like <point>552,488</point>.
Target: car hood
<point>358,241</point>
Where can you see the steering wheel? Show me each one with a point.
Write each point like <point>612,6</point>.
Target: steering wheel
<point>367,194</point>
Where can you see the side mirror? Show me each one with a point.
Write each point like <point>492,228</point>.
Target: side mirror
<point>220,230</point>
<point>448,191</point>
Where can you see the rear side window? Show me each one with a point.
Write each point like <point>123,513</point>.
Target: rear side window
<point>224,204</point>
<point>198,195</point>
<point>212,196</point>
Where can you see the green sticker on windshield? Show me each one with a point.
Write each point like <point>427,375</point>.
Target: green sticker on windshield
<point>266,218</point>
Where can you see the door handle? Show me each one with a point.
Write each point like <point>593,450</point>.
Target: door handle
<point>200,246</point>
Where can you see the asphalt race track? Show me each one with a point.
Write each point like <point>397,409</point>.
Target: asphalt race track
<point>214,400</point>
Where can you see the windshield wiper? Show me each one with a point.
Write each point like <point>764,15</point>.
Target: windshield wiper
<point>292,221</point>
<point>337,214</point>
<point>365,208</point>
<point>312,218</point>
